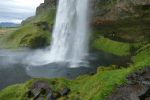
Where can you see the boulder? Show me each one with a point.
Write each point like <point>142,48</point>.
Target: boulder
<point>65,91</point>
<point>137,87</point>
<point>38,89</point>
<point>41,89</point>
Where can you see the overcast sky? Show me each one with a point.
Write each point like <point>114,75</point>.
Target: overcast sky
<point>17,10</point>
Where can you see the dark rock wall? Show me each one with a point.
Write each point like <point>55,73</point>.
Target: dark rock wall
<point>48,4</point>
<point>105,9</point>
<point>117,9</point>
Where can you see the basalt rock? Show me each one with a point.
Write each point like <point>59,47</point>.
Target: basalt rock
<point>146,95</point>
<point>40,90</point>
<point>137,88</point>
<point>65,91</point>
<point>105,10</point>
<point>112,10</point>
<point>47,5</point>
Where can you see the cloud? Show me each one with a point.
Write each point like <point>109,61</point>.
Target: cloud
<point>17,10</point>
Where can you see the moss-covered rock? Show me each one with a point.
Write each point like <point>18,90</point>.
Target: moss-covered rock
<point>96,87</point>
<point>86,87</point>
<point>110,46</point>
<point>35,41</point>
<point>34,33</point>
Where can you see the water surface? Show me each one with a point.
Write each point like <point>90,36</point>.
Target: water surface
<point>15,68</point>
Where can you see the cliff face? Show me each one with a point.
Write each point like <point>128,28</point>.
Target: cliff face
<point>108,9</point>
<point>115,23</point>
<point>119,9</point>
<point>120,20</point>
<point>48,4</point>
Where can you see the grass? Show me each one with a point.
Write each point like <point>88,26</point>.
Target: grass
<point>143,57</point>
<point>23,37</point>
<point>125,30</point>
<point>110,46</point>
<point>4,33</point>
<point>86,87</point>
<point>95,87</point>
<point>29,34</point>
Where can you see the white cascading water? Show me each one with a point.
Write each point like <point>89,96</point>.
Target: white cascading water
<point>70,36</point>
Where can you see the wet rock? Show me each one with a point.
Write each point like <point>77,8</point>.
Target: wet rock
<point>41,85</point>
<point>39,88</point>
<point>50,96</point>
<point>147,98</point>
<point>57,95</point>
<point>137,87</point>
<point>40,98</point>
<point>35,93</point>
<point>146,95</point>
<point>146,83</point>
<point>65,91</point>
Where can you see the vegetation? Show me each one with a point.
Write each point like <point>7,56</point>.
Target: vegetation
<point>110,46</point>
<point>142,57</point>
<point>117,38</point>
<point>4,33</point>
<point>39,35</point>
<point>120,37</point>
<point>87,87</point>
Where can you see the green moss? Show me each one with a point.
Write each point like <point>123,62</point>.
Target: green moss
<point>110,46</point>
<point>143,56</point>
<point>86,87</point>
<point>124,30</point>
<point>96,87</point>
<point>31,35</point>
<point>4,33</point>
<point>15,92</point>
<point>26,36</point>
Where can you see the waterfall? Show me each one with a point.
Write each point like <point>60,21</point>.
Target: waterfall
<point>70,35</point>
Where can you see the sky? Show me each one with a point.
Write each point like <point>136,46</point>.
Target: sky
<point>17,10</point>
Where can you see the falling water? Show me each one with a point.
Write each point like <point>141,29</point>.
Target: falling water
<point>70,38</point>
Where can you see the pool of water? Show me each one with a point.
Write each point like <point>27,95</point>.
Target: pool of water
<point>14,68</point>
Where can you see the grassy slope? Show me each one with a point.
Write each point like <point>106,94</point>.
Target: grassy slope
<point>110,46</point>
<point>27,33</point>
<point>4,33</point>
<point>119,37</point>
<point>96,87</point>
